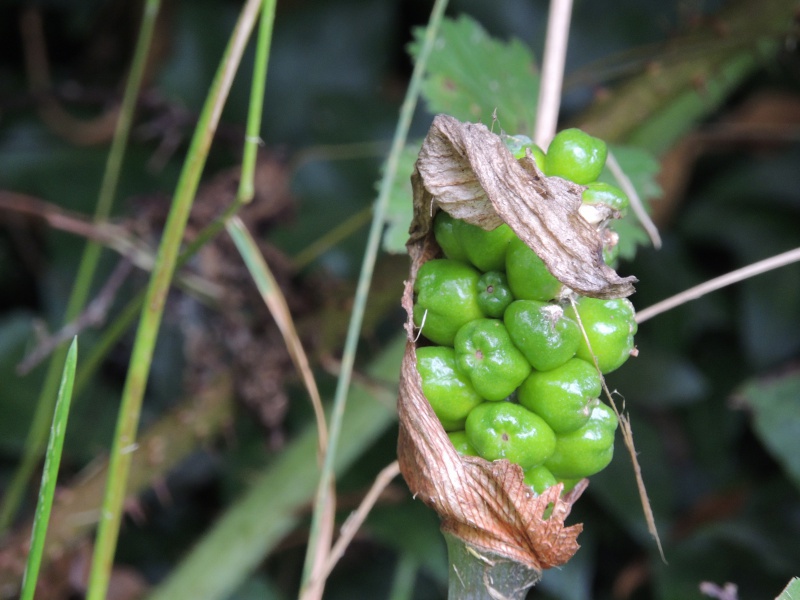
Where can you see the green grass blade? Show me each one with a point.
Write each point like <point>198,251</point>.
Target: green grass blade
<point>37,435</point>
<point>264,515</point>
<point>52,462</point>
<point>158,287</point>
<point>275,301</point>
<point>373,244</point>
<point>259,80</point>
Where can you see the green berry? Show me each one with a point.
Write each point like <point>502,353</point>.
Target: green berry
<point>539,478</point>
<point>486,354</point>
<point>485,249</point>
<point>576,156</point>
<point>447,290</point>
<point>494,295</point>
<point>448,390</point>
<point>610,326</point>
<point>569,483</point>
<point>562,397</point>
<point>527,275</point>
<point>599,192</point>
<point>542,332</point>
<point>587,450</point>
<point>505,430</point>
<point>519,145</point>
<point>461,443</point>
<point>444,230</point>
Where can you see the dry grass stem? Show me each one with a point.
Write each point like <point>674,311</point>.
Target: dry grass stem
<point>555,54</point>
<point>757,268</point>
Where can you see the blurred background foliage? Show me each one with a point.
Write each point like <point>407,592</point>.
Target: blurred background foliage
<point>709,90</point>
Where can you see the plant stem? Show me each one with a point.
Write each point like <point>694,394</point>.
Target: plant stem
<point>133,392</point>
<point>50,475</point>
<point>476,575</point>
<point>37,435</point>
<point>555,54</point>
<point>712,285</point>
<point>323,498</point>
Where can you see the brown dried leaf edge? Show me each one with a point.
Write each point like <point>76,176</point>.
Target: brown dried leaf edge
<point>466,170</point>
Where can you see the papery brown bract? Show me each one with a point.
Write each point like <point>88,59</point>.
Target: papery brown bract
<point>466,170</point>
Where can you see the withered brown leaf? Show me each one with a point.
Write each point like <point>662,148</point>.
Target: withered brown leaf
<point>466,170</point>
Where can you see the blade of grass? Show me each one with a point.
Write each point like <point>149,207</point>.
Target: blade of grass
<point>194,423</point>
<point>323,496</point>
<point>142,354</point>
<point>52,462</point>
<point>276,302</point>
<point>37,435</point>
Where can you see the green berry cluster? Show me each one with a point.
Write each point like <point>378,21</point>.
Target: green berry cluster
<point>510,374</point>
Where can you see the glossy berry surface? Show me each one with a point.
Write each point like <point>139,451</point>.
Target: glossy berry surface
<point>447,291</point>
<point>563,396</point>
<point>610,326</point>
<point>449,391</point>
<point>485,249</point>
<point>599,192</point>
<point>494,294</point>
<point>587,450</point>
<point>542,332</point>
<point>576,156</point>
<point>539,478</point>
<point>461,443</point>
<point>444,230</point>
<point>520,145</point>
<point>505,430</point>
<point>527,275</point>
<point>486,354</point>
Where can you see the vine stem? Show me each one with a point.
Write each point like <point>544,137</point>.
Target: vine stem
<point>324,497</point>
<point>555,55</point>
<point>693,293</point>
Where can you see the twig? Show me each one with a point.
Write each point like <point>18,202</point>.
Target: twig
<point>555,54</point>
<point>94,316</point>
<point>757,268</point>
<point>636,202</point>
<point>353,523</point>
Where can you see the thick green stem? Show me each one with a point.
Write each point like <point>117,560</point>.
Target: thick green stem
<point>478,575</point>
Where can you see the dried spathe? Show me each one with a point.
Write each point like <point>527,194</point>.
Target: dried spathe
<point>467,171</point>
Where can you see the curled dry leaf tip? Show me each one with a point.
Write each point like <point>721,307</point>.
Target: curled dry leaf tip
<point>466,170</point>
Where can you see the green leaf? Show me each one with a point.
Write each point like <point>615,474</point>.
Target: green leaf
<point>400,209</point>
<point>776,418</point>
<point>791,591</point>
<point>471,75</point>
